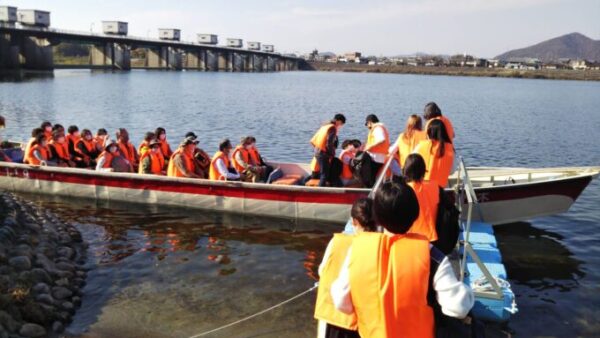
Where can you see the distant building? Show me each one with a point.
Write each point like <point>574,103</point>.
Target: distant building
<point>169,34</point>
<point>33,17</point>
<point>8,14</point>
<point>495,63</point>
<point>523,63</point>
<point>207,39</point>
<point>253,45</point>
<point>352,57</point>
<point>580,64</point>
<point>235,43</point>
<point>268,48</point>
<point>115,27</point>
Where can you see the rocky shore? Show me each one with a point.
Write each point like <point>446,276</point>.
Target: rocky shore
<point>41,270</point>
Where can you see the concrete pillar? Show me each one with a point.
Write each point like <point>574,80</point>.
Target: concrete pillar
<point>35,53</point>
<point>222,61</point>
<point>250,62</point>
<point>265,64</point>
<point>174,58</point>
<point>212,61</point>
<point>202,59</point>
<point>9,53</point>
<point>192,60</point>
<point>156,58</point>
<point>230,61</point>
<point>239,62</point>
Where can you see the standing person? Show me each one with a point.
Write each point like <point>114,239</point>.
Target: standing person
<point>152,161</point>
<point>59,153</point>
<point>433,112</point>
<point>378,144</point>
<point>348,153</point>
<point>182,162</point>
<point>391,279</point>
<point>126,149</point>
<point>339,324</point>
<point>437,152</point>
<point>220,165</point>
<point>410,137</point>
<point>47,128</point>
<point>161,134</point>
<point>428,195</point>
<point>242,163</point>
<point>325,141</point>
<point>86,149</point>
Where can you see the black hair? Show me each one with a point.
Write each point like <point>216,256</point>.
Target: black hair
<point>39,138</point>
<point>58,127</point>
<point>437,131</point>
<point>252,139</point>
<point>36,131</point>
<point>2,121</point>
<point>346,143</point>
<point>362,211</point>
<point>190,134</point>
<point>85,132</point>
<point>46,124</point>
<point>395,207</point>
<point>431,111</point>
<point>102,132</point>
<point>159,130</point>
<point>246,140</point>
<point>72,129</point>
<point>372,118</point>
<point>224,144</point>
<point>339,117</point>
<point>120,132</point>
<point>357,143</point>
<point>149,136</point>
<point>414,168</point>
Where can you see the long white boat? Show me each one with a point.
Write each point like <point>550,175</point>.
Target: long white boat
<point>505,194</point>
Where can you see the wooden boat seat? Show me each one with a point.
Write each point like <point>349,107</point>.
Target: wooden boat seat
<point>288,180</point>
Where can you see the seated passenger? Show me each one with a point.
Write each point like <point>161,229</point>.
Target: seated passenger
<point>428,195</point>
<point>111,160</point>
<point>161,134</point>
<point>433,112</point>
<point>73,136</point>
<point>59,152</point>
<point>152,161</point>
<point>258,161</point>
<point>242,162</point>
<point>86,149</point>
<point>385,279</point>
<point>410,138</point>
<point>348,153</point>
<point>437,152</point>
<point>126,149</point>
<point>58,128</point>
<point>38,152</point>
<point>100,139</point>
<point>144,146</point>
<point>34,134</point>
<point>339,324</point>
<point>220,165</point>
<point>182,162</point>
<point>47,128</point>
<point>202,159</point>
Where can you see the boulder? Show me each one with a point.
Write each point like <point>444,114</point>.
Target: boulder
<point>60,292</point>
<point>9,323</point>
<point>20,263</point>
<point>32,330</point>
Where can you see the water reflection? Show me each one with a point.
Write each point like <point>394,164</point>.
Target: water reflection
<point>24,76</point>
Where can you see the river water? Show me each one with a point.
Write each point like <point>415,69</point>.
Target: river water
<point>164,272</point>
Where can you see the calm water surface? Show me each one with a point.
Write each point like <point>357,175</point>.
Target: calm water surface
<point>174,273</point>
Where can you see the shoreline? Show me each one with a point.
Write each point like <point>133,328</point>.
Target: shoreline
<point>540,74</point>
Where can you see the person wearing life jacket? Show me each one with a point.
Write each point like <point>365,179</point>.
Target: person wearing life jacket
<point>258,161</point>
<point>410,138</point>
<point>220,164</point>
<point>437,152</point>
<point>86,149</point>
<point>34,134</point>
<point>201,158</point>
<point>242,163</point>
<point>349,149</point>
<point>47,128</point>
<point>110,160</point>
<point>144,146</point>
<point>38,152</point>
<point>3,156</point>
<point>428,195</point>
<point>100,139</point>
<point>126,149</point>
<point>182,162</point>
<point>332,322</point>
<point>165,148</point>
<point>152,161</point>
<point>392,280</point>
<point>377,145</point>
<point>73,136</point>
<point>325,142</point>
<point>433,112</point>
<point>59,152</point>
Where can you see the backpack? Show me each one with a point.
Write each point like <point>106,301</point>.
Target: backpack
<point>447,224</point>
<point>361,168</point>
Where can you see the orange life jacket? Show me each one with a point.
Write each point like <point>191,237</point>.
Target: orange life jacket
<point>109,159</point>
<point>346,171</point>
<point>156,162</point>
<point>89,146</point>
<point>384,146</point>
<point>447,124</point>
<point>143,147</point>
<point>438,169</point>
<point>34,160</point>
<point>48,135</point>
<point>314,165</point>
<point>72,140</point>
<point>245,156</point>
<point>319,139</point>
<point>165,148</point>
<point>28,148</point>
<point>254,156</point>
<point>188,161</point>
<point>428,195</point>
<point>324,308</point>
<point>389,280</point>
<point>406,147</point>
<point>128,151</point>
<point>213,173</point>
<point>60,150</point>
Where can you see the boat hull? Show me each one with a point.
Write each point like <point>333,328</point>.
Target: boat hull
<point>498,204</point>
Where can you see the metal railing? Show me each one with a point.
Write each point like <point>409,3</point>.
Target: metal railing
<point>464,189</point>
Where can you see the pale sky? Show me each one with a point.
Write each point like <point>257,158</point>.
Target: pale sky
<point>484,28</point>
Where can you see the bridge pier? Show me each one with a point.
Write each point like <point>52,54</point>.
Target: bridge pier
<point>167,58</point>
<point>196,60</point>
<point>9,53</point>
<point>230,57</point>
<point>212,61</point>
<point>35,53</point>
<point>111,55</point>
<point>239,62</point>
<point>249,60</point>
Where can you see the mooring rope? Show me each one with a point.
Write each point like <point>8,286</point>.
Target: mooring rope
<point>258,313</point>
